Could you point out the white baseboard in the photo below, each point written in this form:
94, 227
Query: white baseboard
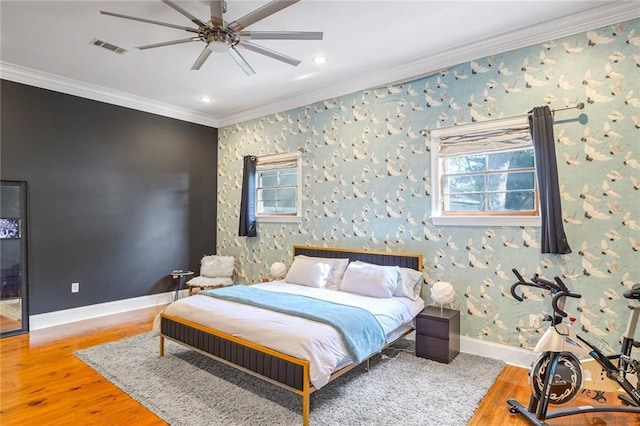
511, 355
50, 319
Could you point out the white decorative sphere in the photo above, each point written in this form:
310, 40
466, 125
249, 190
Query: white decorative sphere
442, 292
278, 270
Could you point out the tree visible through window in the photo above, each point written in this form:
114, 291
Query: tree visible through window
484, 171
489, 182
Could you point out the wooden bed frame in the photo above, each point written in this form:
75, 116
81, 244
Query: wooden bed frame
283, 370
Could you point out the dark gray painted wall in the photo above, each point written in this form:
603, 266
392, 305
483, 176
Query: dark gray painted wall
118, 198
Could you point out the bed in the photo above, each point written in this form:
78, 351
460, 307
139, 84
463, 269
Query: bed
297, 353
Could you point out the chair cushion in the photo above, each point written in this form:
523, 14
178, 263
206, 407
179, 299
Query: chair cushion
210, 281
216, 266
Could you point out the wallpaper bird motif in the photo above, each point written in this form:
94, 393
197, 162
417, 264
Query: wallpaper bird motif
366, 181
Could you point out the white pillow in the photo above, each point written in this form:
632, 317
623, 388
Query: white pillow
216, 266
338, 266
370, 280
410, 284
312, 273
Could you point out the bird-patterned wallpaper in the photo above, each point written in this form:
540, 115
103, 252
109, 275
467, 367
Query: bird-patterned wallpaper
366, 181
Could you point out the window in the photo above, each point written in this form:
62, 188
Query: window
278, 188
484, 174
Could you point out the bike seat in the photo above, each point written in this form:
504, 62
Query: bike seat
634, 293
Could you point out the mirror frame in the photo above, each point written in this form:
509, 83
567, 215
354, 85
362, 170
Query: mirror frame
23, 258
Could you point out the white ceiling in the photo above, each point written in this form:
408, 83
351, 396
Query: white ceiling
367, 43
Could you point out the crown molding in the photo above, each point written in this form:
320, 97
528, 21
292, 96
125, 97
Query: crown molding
433, 62
415, 68
31, 77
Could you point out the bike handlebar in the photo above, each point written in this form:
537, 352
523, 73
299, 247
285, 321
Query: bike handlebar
517, 274
558, 284
536, 282
556, 298
521, 281
557, 288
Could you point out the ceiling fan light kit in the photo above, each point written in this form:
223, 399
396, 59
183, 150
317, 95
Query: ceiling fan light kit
220, 36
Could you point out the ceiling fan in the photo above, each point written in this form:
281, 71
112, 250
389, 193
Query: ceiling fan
220, 36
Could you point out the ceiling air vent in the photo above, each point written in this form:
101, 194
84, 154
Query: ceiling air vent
107, 46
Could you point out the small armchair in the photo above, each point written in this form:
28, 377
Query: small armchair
215, 271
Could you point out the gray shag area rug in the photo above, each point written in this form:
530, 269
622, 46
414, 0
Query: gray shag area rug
187, 388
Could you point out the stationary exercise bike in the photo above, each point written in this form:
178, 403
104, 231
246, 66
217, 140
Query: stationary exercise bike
557, 376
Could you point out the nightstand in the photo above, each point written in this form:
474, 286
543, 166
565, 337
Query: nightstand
438, 334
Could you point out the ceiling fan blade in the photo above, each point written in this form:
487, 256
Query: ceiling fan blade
216, 12
184, 12
201, 59
259, 14
270, 53
241, 61
168, 43
150, 21
281, 35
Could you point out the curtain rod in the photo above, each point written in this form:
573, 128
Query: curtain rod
579, 105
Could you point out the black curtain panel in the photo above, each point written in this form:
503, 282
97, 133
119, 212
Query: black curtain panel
553, 238
248, 201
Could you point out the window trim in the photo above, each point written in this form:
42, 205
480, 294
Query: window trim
283, 217
461, 219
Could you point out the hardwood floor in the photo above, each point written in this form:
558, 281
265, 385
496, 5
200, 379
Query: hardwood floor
42, 382
512, 383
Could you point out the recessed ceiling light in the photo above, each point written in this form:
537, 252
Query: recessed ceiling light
205, 99
320, 59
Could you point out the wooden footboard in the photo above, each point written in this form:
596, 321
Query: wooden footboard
283, 370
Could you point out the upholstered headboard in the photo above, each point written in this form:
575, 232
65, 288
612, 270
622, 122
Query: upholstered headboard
405, 260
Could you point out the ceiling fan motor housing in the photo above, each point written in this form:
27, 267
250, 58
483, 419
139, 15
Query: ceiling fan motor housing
218, 39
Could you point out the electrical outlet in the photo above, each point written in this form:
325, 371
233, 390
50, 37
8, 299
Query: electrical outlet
75, 287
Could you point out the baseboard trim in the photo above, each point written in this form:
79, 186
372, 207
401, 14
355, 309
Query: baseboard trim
518, 357
51, 319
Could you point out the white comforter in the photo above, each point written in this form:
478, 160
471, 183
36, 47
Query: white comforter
318, 343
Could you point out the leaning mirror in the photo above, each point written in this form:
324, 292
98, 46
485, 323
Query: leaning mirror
14, 316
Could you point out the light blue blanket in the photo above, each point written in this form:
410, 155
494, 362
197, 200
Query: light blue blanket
360, 330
